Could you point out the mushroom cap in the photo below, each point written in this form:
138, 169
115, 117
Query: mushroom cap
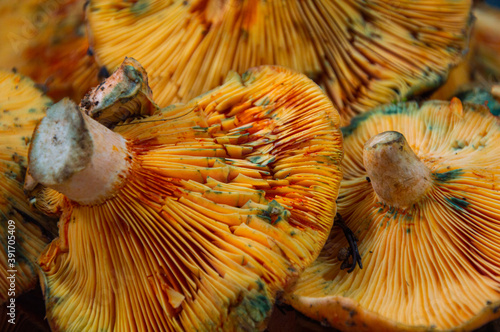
363, 54
46, 40
433, 266
22, 105
227, 199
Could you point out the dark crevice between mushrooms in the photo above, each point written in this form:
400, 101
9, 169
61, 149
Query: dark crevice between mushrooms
352, 251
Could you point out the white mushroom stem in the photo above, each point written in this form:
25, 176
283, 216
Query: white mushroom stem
77, 156
399, 178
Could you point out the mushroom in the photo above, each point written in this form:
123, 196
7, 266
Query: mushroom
195, 217
362, 53
487, 41
420, 191
46, 41
484, 95
480, 67
23, 232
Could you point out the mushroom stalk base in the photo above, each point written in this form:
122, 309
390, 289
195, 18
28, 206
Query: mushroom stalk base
398, 176
77, 156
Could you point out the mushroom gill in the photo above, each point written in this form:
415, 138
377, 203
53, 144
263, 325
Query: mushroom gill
192, 218
425, 210
362, 53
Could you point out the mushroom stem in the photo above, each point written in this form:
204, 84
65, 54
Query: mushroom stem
77, 156
398, 176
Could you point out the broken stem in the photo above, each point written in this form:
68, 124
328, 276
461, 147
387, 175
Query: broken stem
77, 156
399, 178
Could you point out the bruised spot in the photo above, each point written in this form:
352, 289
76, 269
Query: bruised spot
448, 176
457, 203
139, 7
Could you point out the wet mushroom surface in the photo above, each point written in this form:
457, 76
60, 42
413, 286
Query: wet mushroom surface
420, 191
363, 53
198, 215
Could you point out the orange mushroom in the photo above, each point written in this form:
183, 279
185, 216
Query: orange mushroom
23, 232
192, 218
420, 191
46, 41
362, 53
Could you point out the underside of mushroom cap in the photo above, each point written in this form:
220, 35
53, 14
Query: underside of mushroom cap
363, 53
227, 199
434, 265
21, 107
46, 40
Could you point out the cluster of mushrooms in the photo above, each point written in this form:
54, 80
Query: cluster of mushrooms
207, 165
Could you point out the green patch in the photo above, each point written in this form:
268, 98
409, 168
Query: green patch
448, 176
204, 129
266, 218
393, 109
32, 110
246, 75
139, 7
265, 102
457, 203
274, 212
259, 307
355, 122
482, 97
252, 309
389, 109
132, 74
262, 160
244, 34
